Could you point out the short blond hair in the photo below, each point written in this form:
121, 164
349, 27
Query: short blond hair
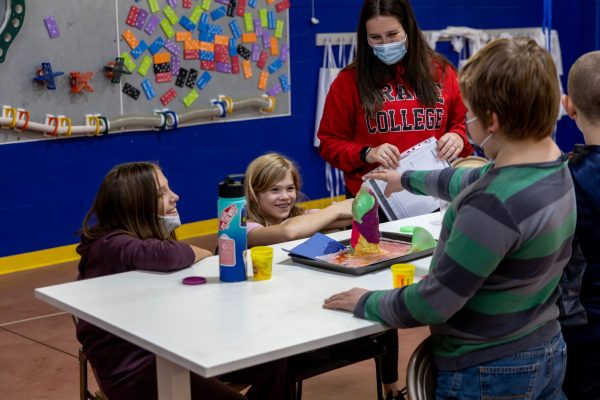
264, 172
584, 85
517, 80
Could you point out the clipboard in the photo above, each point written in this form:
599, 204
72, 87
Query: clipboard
422, 156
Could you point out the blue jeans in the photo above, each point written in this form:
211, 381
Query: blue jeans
536, 373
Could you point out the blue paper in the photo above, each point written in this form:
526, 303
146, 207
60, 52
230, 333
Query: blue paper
317, 245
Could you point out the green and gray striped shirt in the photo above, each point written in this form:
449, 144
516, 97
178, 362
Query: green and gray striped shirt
491, 288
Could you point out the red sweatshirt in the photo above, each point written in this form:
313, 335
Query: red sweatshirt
404, 121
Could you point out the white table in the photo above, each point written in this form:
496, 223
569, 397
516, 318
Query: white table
220, 327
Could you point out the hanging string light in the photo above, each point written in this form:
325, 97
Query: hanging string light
313, 19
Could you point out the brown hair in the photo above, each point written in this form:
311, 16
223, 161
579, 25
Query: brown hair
584, 85
261, 174
421, 63
517, 80
127, 201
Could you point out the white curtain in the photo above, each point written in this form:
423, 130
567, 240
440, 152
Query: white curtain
327, 73
334, 178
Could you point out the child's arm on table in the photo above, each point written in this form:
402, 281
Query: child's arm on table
334, 216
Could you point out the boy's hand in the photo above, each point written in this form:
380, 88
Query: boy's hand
345, 300
392, 178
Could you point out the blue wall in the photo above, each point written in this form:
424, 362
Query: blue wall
47, 186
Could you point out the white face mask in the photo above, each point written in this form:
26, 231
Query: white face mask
484, 141
169, 223
390, 53
479, 147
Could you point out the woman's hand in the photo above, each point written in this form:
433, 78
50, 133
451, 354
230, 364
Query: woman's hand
385, 154
345, 301
450, 145
392, 177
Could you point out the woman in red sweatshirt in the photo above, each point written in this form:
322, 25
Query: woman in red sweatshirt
398, 93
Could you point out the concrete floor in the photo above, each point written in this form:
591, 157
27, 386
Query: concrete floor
38, 348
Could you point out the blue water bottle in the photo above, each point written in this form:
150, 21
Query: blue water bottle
232, 229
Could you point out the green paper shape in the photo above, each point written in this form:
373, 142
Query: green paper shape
407, 229
422, 240
362, 204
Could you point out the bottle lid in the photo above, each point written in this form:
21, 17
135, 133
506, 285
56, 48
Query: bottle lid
232, 186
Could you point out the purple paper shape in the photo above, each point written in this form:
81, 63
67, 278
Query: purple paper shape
224, 67
257, 27
141, 18
255, 52
283, 52
152, 24
274, 90
172, 46
52, 27
175, 64
266, 36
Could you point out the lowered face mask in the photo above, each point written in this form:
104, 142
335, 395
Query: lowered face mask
390, 53
169, 223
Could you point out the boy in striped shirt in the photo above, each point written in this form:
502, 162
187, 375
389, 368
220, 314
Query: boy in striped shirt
490, 296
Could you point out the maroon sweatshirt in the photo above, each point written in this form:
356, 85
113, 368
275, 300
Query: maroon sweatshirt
124, 370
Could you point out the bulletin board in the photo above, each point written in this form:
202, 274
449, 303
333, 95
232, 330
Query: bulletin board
237, 48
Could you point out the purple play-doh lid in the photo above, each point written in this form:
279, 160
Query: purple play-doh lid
194, 280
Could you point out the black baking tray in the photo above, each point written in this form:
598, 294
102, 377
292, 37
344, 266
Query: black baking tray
370, 267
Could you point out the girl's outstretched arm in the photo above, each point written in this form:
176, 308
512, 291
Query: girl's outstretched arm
334, 216
200, 253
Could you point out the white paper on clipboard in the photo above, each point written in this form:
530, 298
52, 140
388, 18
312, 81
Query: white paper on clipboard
404, 204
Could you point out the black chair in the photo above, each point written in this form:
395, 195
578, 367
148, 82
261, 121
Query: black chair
308, 365
421, 374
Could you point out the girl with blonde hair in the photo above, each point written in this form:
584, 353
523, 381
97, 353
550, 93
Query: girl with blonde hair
273, 185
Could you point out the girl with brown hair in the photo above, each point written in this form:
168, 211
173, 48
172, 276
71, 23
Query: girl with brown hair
131, 227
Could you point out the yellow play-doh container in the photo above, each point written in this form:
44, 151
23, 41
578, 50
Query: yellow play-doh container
262, 262
402, 274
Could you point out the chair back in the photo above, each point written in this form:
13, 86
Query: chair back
84, 393
470, 162
421, 375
